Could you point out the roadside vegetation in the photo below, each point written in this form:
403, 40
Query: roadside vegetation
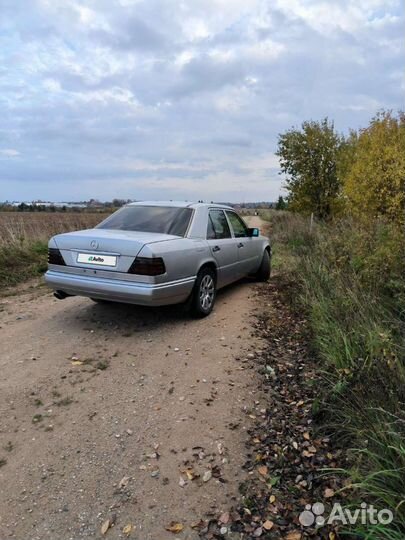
348, 265
24, 239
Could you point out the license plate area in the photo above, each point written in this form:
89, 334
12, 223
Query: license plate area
97, 259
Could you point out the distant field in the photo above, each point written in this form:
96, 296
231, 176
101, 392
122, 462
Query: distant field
18, 228
24, 237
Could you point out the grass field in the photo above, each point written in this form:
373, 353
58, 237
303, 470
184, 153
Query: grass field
24, 237
349, 280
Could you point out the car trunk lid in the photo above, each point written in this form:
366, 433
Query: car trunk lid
107, 249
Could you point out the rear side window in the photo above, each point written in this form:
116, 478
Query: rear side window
210, 229
217, 225
154, 219
238, 226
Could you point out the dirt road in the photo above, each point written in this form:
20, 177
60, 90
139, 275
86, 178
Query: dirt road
121, 413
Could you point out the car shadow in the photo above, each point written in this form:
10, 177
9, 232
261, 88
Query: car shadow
130, 318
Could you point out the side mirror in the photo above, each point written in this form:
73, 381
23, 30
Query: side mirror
254, 231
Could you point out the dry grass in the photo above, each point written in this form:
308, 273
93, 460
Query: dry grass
349, 282
24, 238
19, 228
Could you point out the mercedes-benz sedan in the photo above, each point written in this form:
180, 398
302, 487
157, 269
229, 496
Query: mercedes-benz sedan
158, 253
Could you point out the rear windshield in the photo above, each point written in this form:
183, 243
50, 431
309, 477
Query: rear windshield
154, 219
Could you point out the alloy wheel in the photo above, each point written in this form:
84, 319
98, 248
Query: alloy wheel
207, 292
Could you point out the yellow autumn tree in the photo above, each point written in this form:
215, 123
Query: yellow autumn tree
374, 181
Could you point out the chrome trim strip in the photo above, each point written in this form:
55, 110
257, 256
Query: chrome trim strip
93, 279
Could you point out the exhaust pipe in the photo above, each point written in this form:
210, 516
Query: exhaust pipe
60, 295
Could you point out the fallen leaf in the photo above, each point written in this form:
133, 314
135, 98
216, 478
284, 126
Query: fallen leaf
307, 436
328, 493
312, 449
198, 524
190, 474
268, 525
300, 403
174, 527
274, 480
295, 445
224, 518
293, 536
127, 529
262, 470
77, 363
105, 526
272, 499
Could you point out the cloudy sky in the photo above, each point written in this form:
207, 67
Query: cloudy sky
182, 99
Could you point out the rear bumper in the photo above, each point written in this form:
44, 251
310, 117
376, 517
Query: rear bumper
144, 294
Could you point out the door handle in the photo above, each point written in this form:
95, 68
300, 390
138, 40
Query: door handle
240, 245
216, 248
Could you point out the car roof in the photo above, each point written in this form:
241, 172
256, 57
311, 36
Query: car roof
180, 204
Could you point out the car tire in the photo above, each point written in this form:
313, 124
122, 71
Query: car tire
264, 271
204, 293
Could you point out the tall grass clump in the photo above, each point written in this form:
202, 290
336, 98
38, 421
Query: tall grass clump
351, 284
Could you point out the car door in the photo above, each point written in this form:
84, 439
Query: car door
223, 247
246, 245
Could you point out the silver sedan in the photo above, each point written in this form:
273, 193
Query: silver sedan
158, 253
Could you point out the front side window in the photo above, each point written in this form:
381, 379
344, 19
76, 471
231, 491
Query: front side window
153, 219
238, 226
217, 225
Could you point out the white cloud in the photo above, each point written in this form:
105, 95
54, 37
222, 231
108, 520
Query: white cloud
160, 97
9, 152
184, 57
195, 29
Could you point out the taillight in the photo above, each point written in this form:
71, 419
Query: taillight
55, 257
146, 266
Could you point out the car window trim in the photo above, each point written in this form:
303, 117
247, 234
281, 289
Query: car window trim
216, 209
213, 228
190, 222
230, 224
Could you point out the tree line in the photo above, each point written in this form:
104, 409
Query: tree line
86, 206
361, 174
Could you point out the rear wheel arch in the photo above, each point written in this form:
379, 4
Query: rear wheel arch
211, 265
